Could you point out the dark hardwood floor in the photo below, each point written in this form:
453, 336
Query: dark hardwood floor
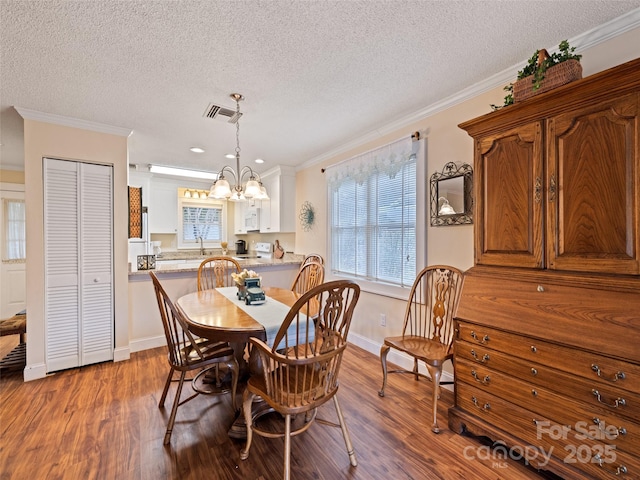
103, 422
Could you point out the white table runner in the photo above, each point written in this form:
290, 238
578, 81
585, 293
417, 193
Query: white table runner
270, 314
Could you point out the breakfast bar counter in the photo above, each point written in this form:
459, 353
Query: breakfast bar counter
179, 277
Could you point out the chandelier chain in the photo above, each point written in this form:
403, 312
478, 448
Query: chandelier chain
238, 128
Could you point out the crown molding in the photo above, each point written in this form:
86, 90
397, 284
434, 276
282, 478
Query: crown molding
29, 114
584, 41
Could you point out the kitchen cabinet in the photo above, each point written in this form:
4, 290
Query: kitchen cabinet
277, 214
546, 344
163, 207
239, 209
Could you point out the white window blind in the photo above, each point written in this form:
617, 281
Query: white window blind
201, 221
372, 204
14, 228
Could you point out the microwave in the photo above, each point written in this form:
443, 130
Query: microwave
252, 219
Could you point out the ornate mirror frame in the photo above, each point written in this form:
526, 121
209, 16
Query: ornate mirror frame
454, 185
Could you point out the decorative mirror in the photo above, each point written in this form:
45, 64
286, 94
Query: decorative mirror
452, 195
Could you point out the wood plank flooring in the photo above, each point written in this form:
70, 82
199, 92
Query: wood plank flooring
103, 422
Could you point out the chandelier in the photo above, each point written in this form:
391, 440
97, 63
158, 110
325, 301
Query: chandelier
253, 188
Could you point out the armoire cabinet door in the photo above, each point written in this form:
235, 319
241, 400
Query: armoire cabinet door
593, 188
509, 198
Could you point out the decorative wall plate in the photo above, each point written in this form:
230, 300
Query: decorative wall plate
307, 216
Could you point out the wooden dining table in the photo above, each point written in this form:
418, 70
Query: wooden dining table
211, 314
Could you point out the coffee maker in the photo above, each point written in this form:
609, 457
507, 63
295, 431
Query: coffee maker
241, 247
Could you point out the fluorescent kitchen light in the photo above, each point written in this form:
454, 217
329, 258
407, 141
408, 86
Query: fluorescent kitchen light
182, 172
197, 150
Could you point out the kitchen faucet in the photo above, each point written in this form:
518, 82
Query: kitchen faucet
201, 246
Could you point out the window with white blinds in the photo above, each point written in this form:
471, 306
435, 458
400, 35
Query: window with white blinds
14, 229
373, 216
201, 219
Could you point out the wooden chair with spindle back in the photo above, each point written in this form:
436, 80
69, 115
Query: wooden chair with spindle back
311, 274
300, 371
216, 272
428, 327
187, 353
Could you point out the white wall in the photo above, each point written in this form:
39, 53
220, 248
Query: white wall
445, 143
41, 140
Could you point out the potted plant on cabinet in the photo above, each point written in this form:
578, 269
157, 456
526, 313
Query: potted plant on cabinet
544, 72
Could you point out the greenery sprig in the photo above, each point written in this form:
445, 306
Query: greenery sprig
536, 68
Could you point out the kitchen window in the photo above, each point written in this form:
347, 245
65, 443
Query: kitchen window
201, 219
375, 200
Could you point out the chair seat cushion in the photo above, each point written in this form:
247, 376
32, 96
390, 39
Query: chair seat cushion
429, 351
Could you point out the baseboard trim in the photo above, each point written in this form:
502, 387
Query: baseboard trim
121, 354
395, 357
147, 343
35, 372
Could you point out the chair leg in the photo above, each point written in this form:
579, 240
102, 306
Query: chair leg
247, 402
384, 350
287, 446
345, 433
415, 368
166, 388
174, 409
436, 373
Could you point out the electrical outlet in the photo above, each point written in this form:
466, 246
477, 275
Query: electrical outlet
383, 320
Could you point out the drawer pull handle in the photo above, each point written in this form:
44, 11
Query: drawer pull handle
618, 402
534, 349
615, 378
484, 339
534, 371
484, 407
534, 393
484, 381
484, 359
616, 470
619, 430
540, 288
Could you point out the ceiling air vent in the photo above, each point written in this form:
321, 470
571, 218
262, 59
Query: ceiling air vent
215, 111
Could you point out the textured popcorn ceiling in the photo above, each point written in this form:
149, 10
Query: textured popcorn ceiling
316, 75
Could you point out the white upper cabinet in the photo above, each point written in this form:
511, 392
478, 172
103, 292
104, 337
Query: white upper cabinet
278, 214
163, 207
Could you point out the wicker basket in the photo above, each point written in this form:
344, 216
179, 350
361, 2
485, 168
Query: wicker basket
555, 76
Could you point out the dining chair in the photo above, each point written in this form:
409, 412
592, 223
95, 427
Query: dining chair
300, 371
311, 274
313, 257
428, 329
187, 353
216, 272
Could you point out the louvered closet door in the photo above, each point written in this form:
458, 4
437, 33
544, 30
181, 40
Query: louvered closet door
96, 252
78, 263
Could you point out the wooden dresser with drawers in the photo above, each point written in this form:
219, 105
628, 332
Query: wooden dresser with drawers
547, 347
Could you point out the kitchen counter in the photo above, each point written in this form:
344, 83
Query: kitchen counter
177, 262
178, 272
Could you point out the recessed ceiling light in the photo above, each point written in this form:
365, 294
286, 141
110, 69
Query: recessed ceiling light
259, 160
197, 150
229, 155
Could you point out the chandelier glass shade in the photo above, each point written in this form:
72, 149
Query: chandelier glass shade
253, 188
